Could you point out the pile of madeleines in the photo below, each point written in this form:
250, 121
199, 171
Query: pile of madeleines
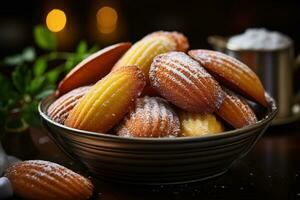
157, 88
153, 88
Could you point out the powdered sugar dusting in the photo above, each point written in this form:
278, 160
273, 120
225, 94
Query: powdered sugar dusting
220, 96
213, 59
259, 39
151, 117
49, 180
178, 73
186, 61
247, 113
185, 83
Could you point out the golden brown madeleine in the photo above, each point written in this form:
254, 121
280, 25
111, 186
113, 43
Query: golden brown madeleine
195, 124
236, 111
59, 110
185, 83
151, 117
142, 52
182, 43
232, 73
93, 68
37, 179
107, 102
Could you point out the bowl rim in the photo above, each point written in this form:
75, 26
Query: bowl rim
272, 111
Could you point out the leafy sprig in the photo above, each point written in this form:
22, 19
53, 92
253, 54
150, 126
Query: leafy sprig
32, 78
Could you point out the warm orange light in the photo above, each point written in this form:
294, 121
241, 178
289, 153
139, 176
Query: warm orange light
107, 18
56, 20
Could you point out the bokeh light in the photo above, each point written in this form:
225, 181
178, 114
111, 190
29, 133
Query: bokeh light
107, 18
56, 20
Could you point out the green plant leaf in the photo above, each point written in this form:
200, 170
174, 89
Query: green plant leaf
31, 80
93, 49
6, 89
81, 53
29, 113
21, 78
29, 54
53, 75
36, 84
44, 93
39, 67
8, 98
44, 38
13, 60
71, 62
82, 47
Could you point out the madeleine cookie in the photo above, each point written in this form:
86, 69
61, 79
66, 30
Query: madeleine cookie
185, 83
182, 43
59, 110
36, 179
142, 52
236, 111
151, 117
232, 73
107, 102
194, 124
93, 68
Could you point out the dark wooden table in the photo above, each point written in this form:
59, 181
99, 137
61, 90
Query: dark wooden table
271, 170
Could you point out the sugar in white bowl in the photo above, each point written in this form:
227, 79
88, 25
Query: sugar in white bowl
259, 39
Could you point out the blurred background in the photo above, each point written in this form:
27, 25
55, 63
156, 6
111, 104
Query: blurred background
42, 40
31, 66
104, 22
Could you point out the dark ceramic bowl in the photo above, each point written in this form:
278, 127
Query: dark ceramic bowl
156, 161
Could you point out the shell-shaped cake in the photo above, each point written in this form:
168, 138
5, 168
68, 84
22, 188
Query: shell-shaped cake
142, 52
182, 43
45, 180
59, 110
194, 124
108, 101
236, 111
232, 73
151, 117
93, 68
185, 83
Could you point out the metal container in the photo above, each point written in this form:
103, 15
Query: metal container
156, 160
275, 69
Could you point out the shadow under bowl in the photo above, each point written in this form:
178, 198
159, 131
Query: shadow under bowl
152, 161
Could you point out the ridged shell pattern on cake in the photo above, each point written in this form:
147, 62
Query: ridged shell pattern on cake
45, 180
236, 111
151, 117
232, 73
59, 110
108, 101
185, 83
